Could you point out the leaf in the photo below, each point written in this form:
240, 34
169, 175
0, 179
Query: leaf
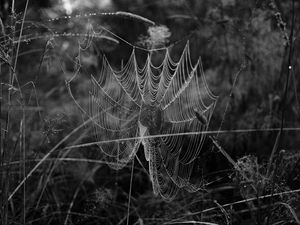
134, 16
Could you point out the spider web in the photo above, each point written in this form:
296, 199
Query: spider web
154, 106
151, 105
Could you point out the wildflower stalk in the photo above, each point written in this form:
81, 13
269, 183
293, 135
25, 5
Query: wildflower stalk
283, 108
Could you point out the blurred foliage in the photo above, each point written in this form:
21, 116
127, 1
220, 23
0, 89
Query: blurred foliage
232, 37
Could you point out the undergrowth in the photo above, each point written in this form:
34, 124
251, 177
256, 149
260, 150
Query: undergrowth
49, 175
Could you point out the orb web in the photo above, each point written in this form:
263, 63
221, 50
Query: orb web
156, 106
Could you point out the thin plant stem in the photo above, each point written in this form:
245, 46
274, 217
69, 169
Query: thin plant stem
20, 35
283, 108
241, 202
47, 155
184, 134
129, 196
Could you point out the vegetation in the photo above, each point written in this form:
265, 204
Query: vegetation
248, 168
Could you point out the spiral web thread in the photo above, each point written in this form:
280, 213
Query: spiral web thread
135, 101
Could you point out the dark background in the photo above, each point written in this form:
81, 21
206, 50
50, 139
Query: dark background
246, 49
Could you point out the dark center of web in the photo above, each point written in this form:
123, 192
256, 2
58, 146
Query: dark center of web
152, 118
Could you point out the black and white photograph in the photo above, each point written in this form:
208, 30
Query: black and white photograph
149, 112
